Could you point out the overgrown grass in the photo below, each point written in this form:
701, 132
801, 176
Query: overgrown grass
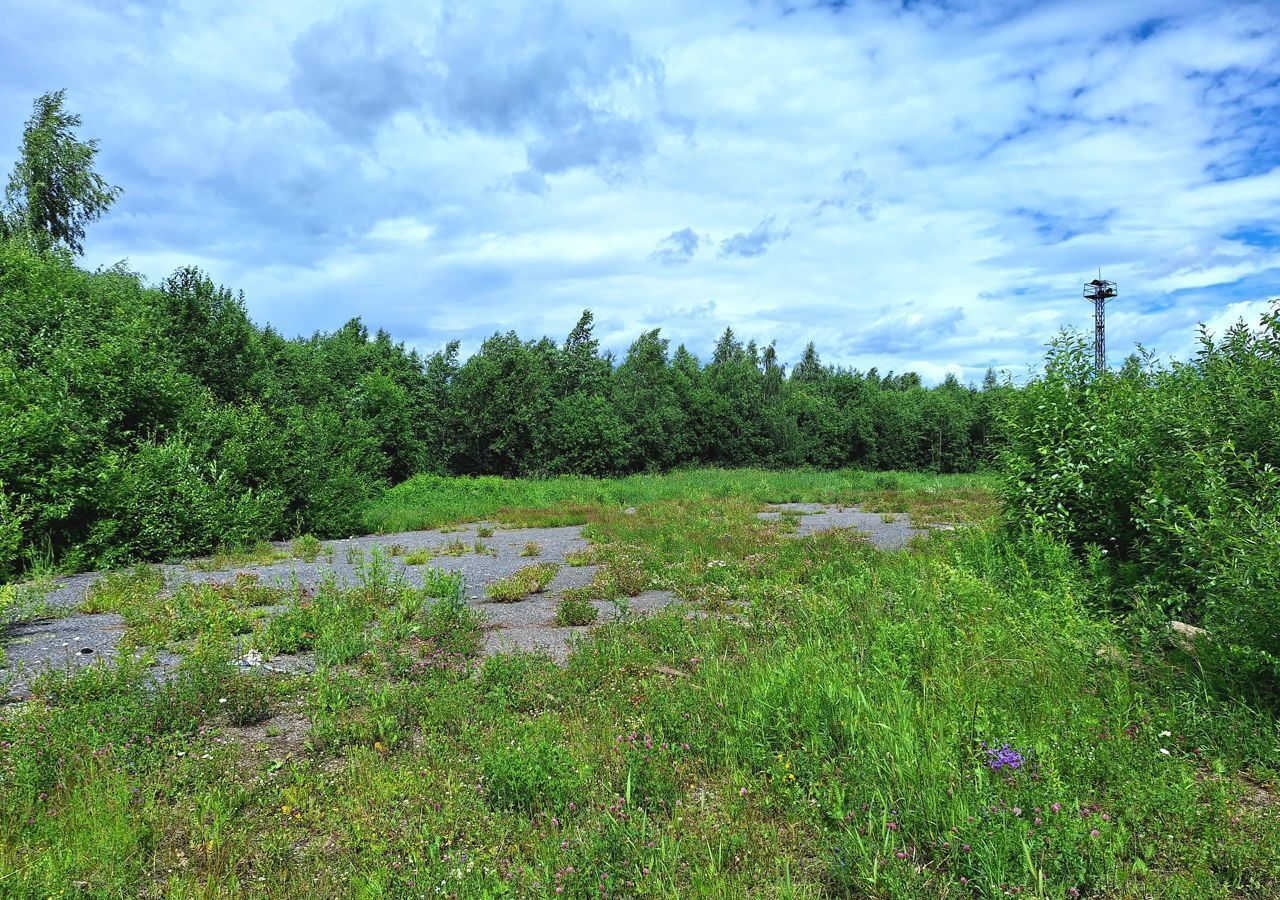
523, 582
429, 501
842, 733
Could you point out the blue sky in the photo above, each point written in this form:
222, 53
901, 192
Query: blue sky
921, 185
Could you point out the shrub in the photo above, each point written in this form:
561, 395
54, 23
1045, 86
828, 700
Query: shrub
1170, 476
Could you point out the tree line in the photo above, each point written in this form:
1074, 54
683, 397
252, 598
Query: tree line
142, 421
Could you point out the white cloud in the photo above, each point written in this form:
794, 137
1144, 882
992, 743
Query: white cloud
507, 165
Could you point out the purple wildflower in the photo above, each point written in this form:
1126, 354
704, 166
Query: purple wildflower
1004, 757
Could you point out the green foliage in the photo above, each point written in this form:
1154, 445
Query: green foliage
1170, 475
306, 547
158, 422
532, 772
824, 739
575, 610
54, 191
523, 582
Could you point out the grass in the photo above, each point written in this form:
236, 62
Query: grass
523, 582
430, 501
259, 554
418, 557
574, 610
832, 737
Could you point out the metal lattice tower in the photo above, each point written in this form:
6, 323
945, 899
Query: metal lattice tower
1098, 292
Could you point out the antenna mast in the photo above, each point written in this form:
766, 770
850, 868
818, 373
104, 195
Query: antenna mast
1098, 292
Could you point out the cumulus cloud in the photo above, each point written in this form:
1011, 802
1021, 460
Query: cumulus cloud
356, 71
577, 93
944, 175
678, 247
755, 242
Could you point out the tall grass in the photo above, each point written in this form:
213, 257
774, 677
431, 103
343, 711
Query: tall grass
816, 719
429, 501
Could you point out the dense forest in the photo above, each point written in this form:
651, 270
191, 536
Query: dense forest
147, 421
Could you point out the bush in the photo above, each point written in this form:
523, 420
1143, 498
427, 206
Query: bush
1171, 476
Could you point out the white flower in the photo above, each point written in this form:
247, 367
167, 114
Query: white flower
1166, 734
1164, 752
222, 699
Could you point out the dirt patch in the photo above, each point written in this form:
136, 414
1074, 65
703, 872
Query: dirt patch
282, 736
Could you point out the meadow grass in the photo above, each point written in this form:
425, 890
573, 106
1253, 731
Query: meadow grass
431, 501
950, 722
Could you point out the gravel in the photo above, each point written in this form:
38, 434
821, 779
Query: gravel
77, 639
885, 531
69, 639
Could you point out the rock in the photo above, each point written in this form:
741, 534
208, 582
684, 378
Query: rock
629, 511
251, 660
1185, 636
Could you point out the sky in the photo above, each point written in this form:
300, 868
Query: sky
912, 186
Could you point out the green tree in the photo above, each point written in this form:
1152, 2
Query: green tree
54, 191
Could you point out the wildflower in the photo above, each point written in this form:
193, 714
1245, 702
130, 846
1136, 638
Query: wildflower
1093, 832
1057, 807
1017, 810
1004, 757
742, 792
1164, 752
1166, 734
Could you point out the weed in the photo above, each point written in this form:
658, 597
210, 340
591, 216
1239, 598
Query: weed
307, 548
419, 557
260, 554
577, 558
532, 548
396, 550
523, 582
619, 578
484, 531
533, 772
118, 591
453, 547
574, 610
